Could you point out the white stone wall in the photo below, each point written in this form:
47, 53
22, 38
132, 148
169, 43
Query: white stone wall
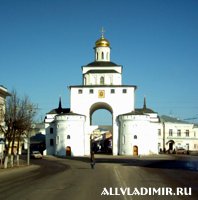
117, 103
70, 132
137, 130
50, 148
82, 99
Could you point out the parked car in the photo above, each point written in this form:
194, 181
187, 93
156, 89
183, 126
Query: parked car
36, 154
181, 151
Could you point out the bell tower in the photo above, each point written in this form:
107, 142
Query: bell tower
102, 71
102, 49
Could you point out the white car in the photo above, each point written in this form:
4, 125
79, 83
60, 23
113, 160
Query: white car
36, 154
181, 151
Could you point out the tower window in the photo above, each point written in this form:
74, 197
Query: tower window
51, 142
124, 91
135, 136
102, 56
51, 130
80, 91
68, 137
102, 80
112, 91
91, 91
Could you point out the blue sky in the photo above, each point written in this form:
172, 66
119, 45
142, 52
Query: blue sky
44, 43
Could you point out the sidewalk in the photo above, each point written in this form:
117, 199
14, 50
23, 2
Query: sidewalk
22, 163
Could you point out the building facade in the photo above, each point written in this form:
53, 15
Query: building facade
3, 94
69, 131
174, 134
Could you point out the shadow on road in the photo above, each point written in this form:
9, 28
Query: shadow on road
183, 163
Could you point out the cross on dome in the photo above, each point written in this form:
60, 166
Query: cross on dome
102, 32
102, 42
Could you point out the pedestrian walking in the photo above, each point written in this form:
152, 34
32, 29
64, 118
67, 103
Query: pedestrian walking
92, 159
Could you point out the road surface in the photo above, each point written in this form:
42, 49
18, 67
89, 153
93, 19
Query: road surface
123, 178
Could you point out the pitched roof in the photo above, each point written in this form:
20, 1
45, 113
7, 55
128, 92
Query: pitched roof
165, 118
70, 113
59, 111
145, 110
140, 111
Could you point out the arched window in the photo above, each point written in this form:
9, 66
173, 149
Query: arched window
68, 137
97, 56
102, 80
102, 56
135, 136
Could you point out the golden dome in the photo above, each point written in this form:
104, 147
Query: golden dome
102, 42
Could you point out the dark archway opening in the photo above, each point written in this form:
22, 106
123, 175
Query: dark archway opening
102, 134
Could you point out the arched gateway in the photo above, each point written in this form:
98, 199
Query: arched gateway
101, 88
108, 93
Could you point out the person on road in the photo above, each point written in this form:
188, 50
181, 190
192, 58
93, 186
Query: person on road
92, 159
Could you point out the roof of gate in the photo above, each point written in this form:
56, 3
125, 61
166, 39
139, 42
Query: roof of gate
59, 111
140, 111
102, 64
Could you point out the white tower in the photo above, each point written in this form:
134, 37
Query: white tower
102, 49
102, 71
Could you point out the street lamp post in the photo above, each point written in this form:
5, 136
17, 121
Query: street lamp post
28, 139
28, 148
164, 133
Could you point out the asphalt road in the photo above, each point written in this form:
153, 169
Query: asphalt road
116, 178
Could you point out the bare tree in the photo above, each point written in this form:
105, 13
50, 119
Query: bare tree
19, 116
